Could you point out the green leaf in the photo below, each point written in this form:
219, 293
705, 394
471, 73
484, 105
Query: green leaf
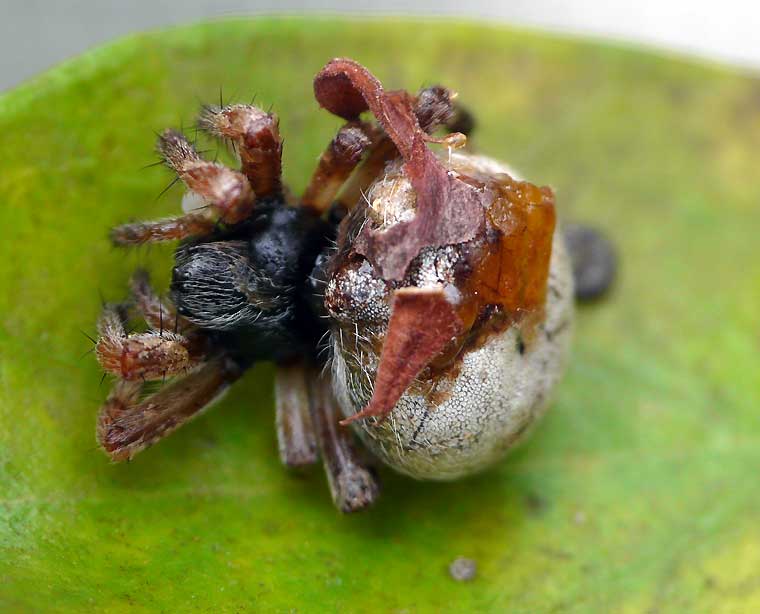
638, 491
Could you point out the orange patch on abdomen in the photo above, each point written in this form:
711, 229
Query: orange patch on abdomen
510, 269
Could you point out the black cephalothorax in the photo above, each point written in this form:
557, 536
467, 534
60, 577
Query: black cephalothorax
248, 287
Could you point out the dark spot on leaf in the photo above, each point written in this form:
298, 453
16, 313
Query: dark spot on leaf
536, 504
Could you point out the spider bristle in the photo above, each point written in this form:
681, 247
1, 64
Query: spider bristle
167, 188
211, 109
88, 336
209, 120
87, 353
152, 164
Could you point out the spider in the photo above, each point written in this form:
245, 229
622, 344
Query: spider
439, 279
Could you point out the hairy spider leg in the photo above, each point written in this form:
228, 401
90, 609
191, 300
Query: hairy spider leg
158, 314
434, 108
255, 137
337, 163
352, 483
228, 196
296, 437
379, 153
151, 355
127, 425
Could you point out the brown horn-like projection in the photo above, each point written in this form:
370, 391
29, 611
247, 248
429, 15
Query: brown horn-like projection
448, 211
422, 324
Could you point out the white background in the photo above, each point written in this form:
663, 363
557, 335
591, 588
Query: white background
35, 34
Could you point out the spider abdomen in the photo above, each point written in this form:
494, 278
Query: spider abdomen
473, 402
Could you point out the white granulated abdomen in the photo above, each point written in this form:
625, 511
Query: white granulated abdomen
463, 424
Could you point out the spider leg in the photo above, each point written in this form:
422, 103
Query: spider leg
296, 438
336, 164
255, 136
353, 485
434, 108
126, 425
158, 314
123, 395
151, 355
463, 121
169, 229
227, 195
380, 152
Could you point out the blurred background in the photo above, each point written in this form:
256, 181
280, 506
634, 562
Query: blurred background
35, 34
